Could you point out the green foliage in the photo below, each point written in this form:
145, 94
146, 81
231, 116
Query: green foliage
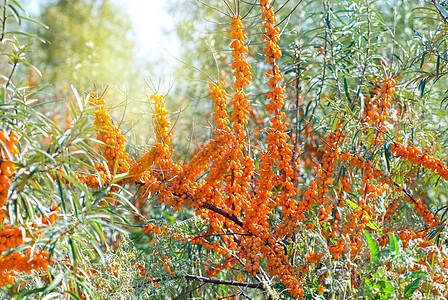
332, 50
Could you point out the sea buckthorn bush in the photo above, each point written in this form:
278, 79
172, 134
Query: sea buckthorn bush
323, 177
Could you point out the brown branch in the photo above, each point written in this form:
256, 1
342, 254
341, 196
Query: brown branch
210, 280
440, 13
3, 21
223, 213
10, 75
189, 291
289, 14
224, 282
221, 234
219, 211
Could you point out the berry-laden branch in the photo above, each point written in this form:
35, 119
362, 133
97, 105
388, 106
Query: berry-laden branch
258, 211
223, 213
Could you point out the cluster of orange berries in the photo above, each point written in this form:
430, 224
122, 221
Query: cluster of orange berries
161, 123
158, 172
240, 66
426, 262
422, 210
276, 96
116, 156
227, 186
10, 142
241, 74
10, 237
391, 209
58, 174
346, 181
414, 156
223, 157
145, 276
8, 147
18, 262
371, 189
319, 187
313, 257
376, 173
349, 235
225, 265
279, 152
273, 52
50, 218
92, 180
151, 228
109, 134
279, 156
139, 168
24, 263
230, 158
377, 105
8, 277
337, 249
166, 263
271, 49
219, 97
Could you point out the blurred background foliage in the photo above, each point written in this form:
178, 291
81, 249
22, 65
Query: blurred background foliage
87, 43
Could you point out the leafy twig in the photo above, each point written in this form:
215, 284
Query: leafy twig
3, 21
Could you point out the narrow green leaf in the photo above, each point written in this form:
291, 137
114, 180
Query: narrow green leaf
31, 292
36, 22
73, 295
28, 35
54, 283
422, 87
412, 287
19, 6
73, 250
372, 224
422, 59
61, 193
352, 204
373, 246
78, 98
414, 274
15, 13
327, 20
387, 156
346, 89
395, 245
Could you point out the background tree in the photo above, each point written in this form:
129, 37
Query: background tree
87, 44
